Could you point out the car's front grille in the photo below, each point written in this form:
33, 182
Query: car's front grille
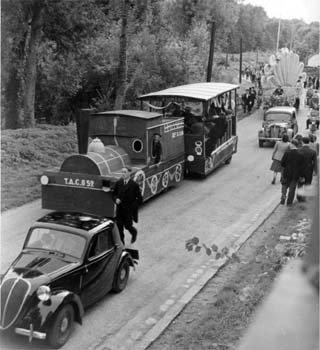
14, 292
276, 131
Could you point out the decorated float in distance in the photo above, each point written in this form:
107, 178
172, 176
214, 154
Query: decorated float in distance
283, 71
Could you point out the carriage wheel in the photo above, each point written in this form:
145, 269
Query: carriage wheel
165, 179
154, 184
140, 178
178, 173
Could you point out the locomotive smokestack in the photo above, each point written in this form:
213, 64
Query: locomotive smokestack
83, 123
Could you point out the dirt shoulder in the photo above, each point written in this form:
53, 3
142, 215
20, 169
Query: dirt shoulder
219, 315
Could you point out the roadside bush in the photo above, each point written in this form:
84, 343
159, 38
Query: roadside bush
25, 154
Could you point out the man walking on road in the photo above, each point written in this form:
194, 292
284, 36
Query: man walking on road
127, 196
310, 165
292, 163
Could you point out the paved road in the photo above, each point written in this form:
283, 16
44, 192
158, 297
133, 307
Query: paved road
225, 208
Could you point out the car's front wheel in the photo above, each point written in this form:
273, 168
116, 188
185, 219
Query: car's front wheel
260, 143
121, 277
61, 327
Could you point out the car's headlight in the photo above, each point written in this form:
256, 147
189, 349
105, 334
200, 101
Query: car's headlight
44, 293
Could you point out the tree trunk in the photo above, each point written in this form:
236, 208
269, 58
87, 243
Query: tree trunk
28, 77
122, 70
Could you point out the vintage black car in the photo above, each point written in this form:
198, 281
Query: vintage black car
68, 262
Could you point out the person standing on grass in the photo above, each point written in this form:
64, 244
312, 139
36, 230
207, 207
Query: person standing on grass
279, 150
292, 163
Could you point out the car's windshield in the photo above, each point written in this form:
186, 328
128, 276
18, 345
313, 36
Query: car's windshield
278, 117
54, 240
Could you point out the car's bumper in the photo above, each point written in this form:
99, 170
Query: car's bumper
30, 333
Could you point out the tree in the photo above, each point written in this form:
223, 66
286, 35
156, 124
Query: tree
29, 27
21, 96
122, 71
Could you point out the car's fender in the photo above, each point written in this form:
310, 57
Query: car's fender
44, 312
126, 254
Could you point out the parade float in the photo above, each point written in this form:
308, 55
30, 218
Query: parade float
283, 70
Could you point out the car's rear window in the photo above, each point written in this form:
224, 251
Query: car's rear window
60, 241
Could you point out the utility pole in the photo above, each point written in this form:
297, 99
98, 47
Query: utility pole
211, 51
292, 32
240, 68
278, 37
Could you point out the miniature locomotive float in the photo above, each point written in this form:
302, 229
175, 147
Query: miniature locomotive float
109, 141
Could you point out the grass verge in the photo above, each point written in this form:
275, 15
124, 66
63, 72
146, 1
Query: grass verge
25, 154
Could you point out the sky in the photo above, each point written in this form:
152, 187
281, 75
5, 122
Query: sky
307, 10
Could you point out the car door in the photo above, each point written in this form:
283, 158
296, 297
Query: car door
100, 264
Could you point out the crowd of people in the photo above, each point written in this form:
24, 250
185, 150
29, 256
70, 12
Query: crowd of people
312, 82
296, 162
252, 95
215, 123
254, 75
249, 97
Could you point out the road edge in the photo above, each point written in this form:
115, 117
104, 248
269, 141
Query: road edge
178, 307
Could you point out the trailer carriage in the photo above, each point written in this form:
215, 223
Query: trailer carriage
210, 117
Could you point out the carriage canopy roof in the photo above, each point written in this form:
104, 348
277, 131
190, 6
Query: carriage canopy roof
198, 91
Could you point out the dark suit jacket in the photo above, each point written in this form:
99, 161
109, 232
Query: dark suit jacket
292, 163
310, 162
245, 98
130, 196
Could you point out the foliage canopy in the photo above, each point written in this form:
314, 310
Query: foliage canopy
59, 55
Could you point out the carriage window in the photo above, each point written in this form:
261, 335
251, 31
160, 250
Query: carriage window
137, 145
101, 243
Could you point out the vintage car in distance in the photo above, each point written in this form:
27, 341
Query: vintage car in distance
276, 122
68, 262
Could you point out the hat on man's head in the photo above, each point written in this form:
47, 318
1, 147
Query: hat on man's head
305, 140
